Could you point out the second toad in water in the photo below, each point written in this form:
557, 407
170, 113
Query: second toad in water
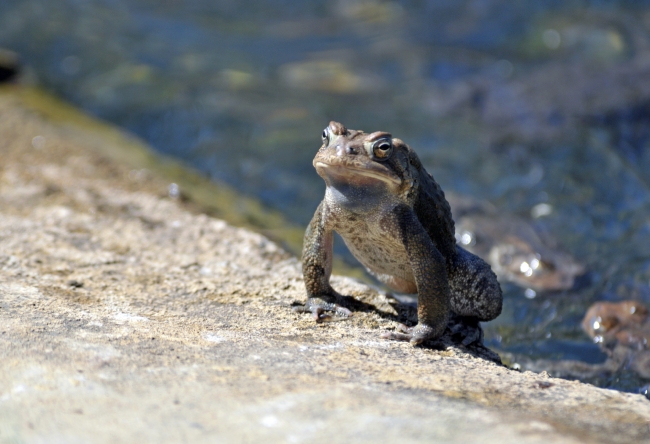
395, 220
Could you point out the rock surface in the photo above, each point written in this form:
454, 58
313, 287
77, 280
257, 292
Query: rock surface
126, 317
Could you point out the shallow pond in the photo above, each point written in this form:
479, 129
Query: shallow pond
517, 103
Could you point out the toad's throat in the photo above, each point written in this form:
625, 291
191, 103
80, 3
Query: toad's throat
359, 190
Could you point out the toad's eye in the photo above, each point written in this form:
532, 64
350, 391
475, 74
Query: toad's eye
326, 134
382, 149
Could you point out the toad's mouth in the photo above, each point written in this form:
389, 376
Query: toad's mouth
353, 174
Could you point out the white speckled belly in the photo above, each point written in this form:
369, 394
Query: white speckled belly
379, 251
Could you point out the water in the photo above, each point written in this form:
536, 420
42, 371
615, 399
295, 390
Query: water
520, 103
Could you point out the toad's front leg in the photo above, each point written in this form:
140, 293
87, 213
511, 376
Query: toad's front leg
317, 267
430, 272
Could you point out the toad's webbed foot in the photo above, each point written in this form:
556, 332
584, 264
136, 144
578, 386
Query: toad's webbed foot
469, 328
415, 335
318, 308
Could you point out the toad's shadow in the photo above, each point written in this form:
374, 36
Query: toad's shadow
458, 328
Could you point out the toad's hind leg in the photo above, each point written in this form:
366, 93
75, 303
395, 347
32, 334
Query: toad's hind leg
475, 291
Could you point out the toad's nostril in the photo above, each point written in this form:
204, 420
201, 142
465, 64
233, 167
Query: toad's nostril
351, 150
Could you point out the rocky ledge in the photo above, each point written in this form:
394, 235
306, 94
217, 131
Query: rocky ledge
125, 315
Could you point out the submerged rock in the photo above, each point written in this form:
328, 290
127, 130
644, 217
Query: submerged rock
9, 66
622, 329
515, 248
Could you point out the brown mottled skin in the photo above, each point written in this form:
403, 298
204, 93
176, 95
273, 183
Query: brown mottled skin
395, 220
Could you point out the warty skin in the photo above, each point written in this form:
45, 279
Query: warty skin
394, 218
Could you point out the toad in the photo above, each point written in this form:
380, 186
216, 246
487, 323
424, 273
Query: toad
394, 218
